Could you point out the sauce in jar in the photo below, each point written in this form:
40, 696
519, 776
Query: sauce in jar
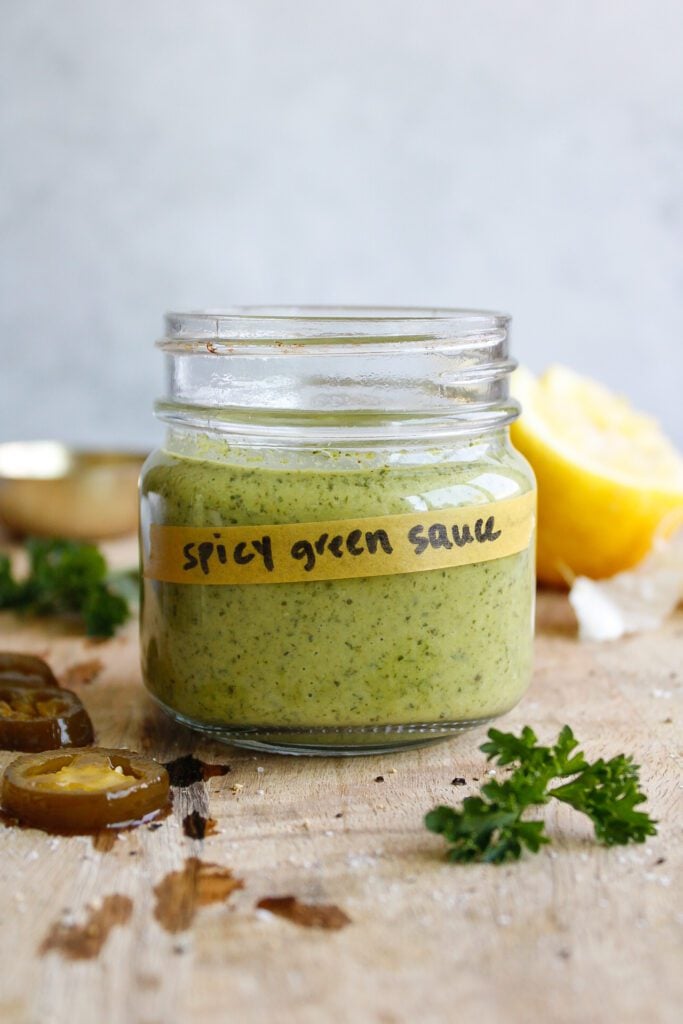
338, 581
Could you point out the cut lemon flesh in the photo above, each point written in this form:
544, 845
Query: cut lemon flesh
608, 478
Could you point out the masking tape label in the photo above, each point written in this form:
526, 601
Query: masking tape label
343, 548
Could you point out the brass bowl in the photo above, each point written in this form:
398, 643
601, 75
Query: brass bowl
49, 489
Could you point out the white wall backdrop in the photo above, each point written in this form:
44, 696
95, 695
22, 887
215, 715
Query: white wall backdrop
525, 155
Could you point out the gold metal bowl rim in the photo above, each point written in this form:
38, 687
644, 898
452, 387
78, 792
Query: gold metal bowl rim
49, 461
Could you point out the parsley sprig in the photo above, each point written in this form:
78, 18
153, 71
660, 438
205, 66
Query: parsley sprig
66, 578
490, 828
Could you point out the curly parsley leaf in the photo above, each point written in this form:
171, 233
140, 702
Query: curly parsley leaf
485, 831
558, 760
10, 590
609, 792
65, 578
491, 828
103, 611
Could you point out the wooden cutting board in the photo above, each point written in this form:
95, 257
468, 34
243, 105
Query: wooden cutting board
156, 927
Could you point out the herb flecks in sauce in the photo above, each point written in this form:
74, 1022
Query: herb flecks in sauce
449, 645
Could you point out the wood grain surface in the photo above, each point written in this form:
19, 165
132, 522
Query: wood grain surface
156, 927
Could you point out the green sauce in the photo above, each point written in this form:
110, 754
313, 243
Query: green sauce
442, 647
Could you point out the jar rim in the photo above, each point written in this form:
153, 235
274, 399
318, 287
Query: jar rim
332, 372
302, 324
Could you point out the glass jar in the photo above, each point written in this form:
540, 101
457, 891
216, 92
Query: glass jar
337, 538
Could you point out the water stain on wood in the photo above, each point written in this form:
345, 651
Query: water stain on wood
185, 771
309, 915
84, 941
82, 672
180, 893
196, 826
148, 982
104, 840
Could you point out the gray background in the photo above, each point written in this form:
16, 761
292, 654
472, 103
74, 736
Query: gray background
525, 156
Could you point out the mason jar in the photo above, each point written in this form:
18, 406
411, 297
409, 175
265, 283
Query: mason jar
337, 537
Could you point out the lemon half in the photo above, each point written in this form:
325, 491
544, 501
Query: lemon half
608, 478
